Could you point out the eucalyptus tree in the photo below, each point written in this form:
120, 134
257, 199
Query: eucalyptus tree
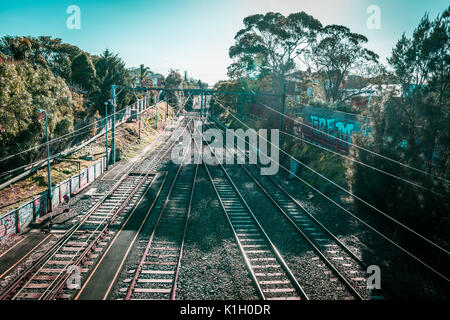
338, 53
16, 48
272, 44
412, 129
26, 88
83, 72
173, 81
424, 59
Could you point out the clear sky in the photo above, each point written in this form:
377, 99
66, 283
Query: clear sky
195, 35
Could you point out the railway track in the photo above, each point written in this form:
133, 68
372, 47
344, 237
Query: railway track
80, 245
338, 258
156, 274
272, 276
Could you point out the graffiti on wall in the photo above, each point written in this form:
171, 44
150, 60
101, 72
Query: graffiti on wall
64, 188
55, 195
343, 126
83, 178
91, 174
75, 184
38, 207
7, 226
26, 214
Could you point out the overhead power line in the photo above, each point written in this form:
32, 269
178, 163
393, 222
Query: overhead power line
365, 164
355, 145
346, 191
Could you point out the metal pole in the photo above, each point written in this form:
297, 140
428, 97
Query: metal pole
50, 195
106, 135
283, 107
140, 108
113, 133
156, 115
167, 109
201, 104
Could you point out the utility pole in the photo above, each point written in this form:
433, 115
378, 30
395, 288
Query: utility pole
113, 135
283, 107
106, 134
140, 102
201, 104
50, 195
167, 109
156, 115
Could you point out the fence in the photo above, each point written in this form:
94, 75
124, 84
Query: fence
15, 221
120, 117
123, 115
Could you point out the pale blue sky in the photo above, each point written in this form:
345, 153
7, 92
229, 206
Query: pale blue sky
195, 35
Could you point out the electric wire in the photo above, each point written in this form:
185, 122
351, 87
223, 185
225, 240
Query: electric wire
348, 192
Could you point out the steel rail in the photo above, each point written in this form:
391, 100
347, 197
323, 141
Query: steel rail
146, 173
274, 250
158, 222
310, 242
299, 230
174, 288
341, 244
70, 232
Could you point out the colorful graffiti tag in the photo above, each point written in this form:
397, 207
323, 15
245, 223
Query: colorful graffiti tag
343, 126
26, 215
7, 226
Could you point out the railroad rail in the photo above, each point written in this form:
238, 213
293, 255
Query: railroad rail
339, 259
85, 240
157, 272
272, 276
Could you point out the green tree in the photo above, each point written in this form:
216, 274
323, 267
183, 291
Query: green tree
26, 88
339, 53
425, 58
272, 44
111, 70
83, 72
42, 51
412, 129
173, 81
15, 47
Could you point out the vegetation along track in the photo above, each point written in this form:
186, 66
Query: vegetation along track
82, 243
